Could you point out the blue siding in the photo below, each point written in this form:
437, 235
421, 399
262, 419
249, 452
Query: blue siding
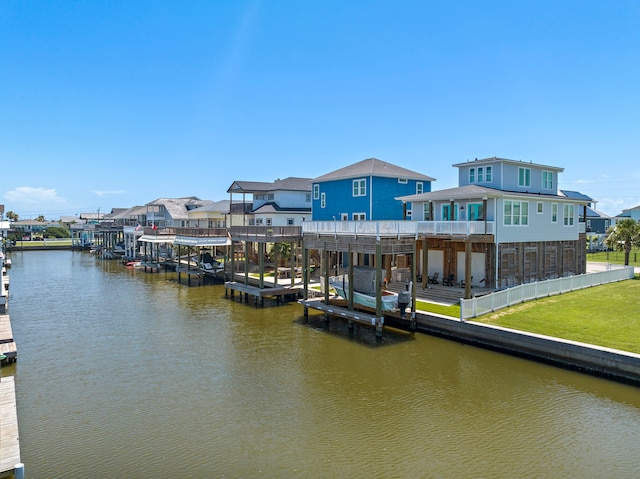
340, 199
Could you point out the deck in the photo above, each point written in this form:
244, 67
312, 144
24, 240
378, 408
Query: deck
9, 438
7, 344
261, 293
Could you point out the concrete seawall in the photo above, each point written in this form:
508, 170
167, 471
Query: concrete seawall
600, 361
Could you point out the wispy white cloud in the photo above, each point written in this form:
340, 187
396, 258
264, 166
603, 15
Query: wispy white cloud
29, 196
109, 192
584, 182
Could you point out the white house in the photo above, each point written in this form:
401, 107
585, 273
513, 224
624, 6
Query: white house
506, 220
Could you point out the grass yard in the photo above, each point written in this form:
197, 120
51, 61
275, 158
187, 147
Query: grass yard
40, 243
453, 310
607, 315
615, 257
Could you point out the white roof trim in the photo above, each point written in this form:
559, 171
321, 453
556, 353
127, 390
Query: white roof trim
157, 239
202, 241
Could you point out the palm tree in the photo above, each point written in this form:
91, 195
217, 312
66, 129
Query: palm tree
624, 236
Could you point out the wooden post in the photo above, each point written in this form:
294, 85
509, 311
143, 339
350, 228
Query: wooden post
232, 258
261, 248
467, 269
379, 317
425, 263
246, 262
305, 274
325, 271
350, 278
414, 262
292, 262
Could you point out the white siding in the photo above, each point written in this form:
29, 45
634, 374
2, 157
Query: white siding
540, 227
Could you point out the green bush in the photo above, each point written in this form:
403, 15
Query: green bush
56, 232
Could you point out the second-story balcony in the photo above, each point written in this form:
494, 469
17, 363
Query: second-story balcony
388, 229
266, 234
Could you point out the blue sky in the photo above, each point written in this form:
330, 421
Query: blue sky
114, 104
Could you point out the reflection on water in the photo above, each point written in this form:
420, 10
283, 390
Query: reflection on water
122, 373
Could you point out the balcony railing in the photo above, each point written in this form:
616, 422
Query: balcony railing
397, 228
258, 233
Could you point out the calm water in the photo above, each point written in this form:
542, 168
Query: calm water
128, 374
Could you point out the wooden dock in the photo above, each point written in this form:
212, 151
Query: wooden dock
7, 343
338, 309
260, 293
9, 438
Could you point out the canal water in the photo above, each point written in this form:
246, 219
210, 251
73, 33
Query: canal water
128, 374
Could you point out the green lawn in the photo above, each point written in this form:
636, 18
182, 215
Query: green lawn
453, 310
616, 257
49, 242
607, 315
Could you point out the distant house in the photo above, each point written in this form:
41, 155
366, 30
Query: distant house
366, 190
507, 221
172, 212
596, 222
32, 228
633, 213
284, 202
211, 215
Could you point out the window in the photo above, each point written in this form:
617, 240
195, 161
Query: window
480, 175
524, 177
554, 212
404, 181
259, 222
323, 200
359, 216
316, 192
344, 216
547, 180
359, 187
419, 188
259, 197
516, 213
269, 222
540, 207
487, 176
472, 175
567, 216
290, 221
425, 211
474, 211
308, 198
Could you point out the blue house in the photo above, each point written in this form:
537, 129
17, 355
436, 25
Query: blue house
366, 191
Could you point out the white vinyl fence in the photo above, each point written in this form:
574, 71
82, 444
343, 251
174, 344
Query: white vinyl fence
470, 308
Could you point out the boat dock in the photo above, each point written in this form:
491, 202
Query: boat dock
9, 438
7, 343
260, 293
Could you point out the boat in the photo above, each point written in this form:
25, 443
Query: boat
208, 264
212, 267
364, 294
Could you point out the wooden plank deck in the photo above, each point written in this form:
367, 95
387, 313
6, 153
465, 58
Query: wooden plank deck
6, 334
9, 437
262, 292
338, 308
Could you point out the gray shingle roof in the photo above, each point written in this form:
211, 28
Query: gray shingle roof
287, 184
474, 191
373, 167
